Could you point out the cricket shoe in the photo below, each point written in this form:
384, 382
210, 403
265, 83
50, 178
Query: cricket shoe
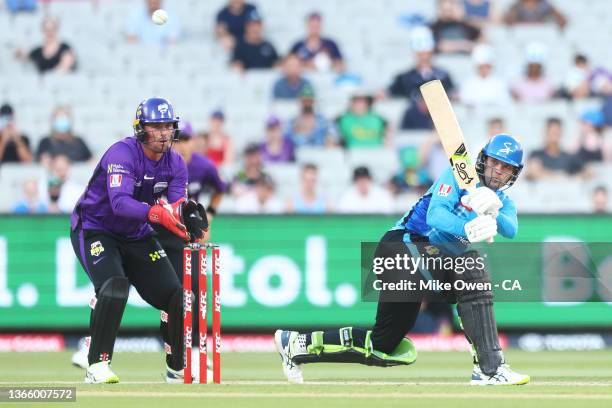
100, 373
176, 377
287, 345
503, 376
79, 359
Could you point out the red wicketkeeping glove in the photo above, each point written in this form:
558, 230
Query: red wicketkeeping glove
169, 216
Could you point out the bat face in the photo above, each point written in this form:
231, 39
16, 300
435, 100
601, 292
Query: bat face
450, 133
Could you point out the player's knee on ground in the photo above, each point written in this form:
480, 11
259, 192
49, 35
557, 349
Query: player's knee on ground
106, 317
354, 346
386, 344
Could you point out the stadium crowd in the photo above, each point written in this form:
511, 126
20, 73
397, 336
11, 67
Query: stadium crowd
301, 143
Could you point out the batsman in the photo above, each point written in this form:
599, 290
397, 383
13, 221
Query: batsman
446, 214
112, 237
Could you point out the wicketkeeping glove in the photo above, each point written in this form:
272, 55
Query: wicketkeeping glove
481, 228
195, 219
169, 216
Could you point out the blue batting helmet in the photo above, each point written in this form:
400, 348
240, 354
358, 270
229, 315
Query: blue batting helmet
504, 148
154, 110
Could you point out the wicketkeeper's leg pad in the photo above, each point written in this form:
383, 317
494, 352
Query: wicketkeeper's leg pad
107, 311
174, 327
351, 351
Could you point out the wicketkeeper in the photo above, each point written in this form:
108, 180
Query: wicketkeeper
446, 216
113, 239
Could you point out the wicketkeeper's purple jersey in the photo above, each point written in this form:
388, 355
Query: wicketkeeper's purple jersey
203, 175
123, 187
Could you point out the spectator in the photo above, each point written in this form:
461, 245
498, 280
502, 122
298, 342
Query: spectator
31, 202
53, 55
364, 196
600, 200
576, 81
308, 200
14, 146
534, 12
62, 141
407, 84
591, 146
452, 33
484, 88
16, 6
292, 82
417, 116
276, 148
231, 21
534, 87
360, 126
254, 51
551, 160
261, 200
600, 82
495, 126
140, 28
481, 12
252, 171
219, 145
310, 128
410, 178
583, 81
318, 53
607, 110
62, 193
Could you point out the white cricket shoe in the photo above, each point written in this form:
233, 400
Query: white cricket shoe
176, 377
503, 376
284, 341
79, 358
100, 373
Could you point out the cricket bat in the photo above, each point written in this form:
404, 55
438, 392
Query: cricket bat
450, 134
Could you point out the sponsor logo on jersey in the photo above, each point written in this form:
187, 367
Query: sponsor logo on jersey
96, 248
116, 168
156, 255
115, 180
159, 187
444, 190
432, 250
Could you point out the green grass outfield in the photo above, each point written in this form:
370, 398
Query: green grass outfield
559, 379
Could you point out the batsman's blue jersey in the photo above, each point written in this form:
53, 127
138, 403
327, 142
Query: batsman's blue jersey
440, 216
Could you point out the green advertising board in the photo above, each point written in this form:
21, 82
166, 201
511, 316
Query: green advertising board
298, 271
